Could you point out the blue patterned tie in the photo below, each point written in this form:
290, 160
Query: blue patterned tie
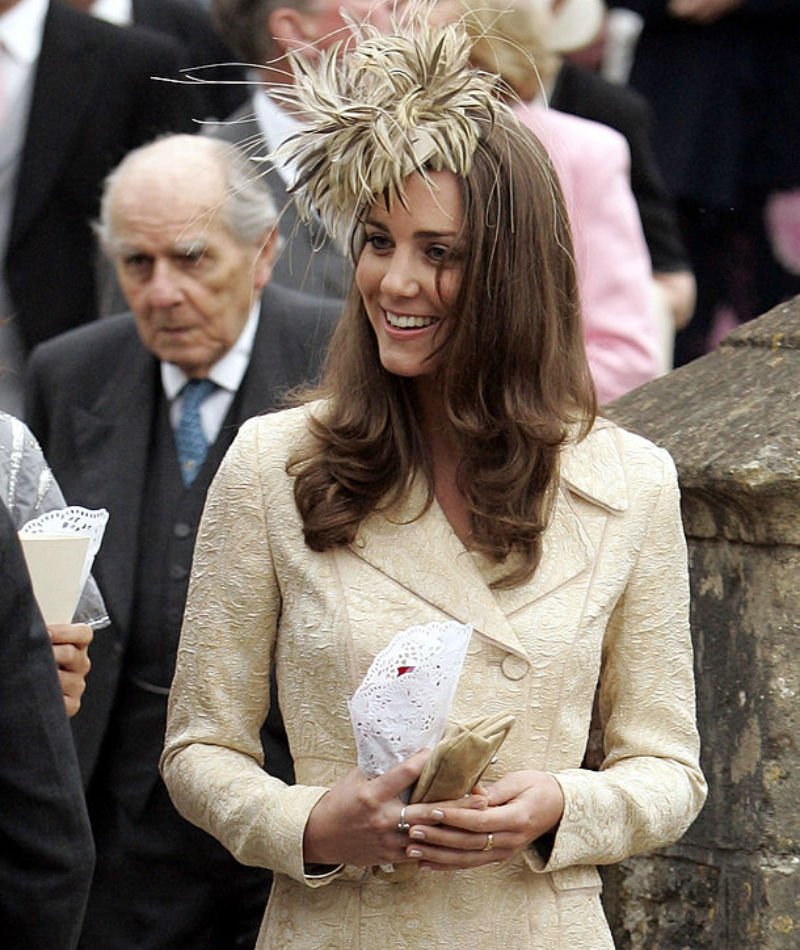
189, 437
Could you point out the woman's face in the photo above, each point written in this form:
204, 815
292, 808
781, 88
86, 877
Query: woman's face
398, 269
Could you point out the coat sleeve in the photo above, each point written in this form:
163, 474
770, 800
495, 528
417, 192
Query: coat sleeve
47, 855
212, 761
650, 787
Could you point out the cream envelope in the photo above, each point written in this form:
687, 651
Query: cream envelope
55, 563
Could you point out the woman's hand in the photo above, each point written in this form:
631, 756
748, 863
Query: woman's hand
522, 806
71, 650
357, 821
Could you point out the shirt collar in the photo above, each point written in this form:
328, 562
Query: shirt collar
119, 12
276, 126
228, 371
21, 30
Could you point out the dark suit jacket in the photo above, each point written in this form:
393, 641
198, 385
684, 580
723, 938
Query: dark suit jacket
93, 100
190, 24
586, 94
47, 855
90, 399
308, 260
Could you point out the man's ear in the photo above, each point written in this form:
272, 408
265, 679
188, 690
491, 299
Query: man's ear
288, 29
265, 261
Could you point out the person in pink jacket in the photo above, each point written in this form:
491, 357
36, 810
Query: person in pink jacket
624, 342
614, 274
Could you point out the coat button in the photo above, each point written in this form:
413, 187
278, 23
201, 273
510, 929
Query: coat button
514, 667
182, 530
178, 572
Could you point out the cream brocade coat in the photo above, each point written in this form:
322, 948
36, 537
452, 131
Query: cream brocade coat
610, 597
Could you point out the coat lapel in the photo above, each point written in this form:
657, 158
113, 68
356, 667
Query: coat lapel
424, 555
261, 387
112, 438
435, 566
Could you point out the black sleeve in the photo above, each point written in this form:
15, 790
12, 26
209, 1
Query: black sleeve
656, 207
47, 857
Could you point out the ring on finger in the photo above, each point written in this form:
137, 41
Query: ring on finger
403, 825
489, 842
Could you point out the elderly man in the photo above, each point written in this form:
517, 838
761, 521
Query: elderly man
135, 413
75, 96
263, 31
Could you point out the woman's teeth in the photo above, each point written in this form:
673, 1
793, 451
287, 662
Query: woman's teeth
408, 323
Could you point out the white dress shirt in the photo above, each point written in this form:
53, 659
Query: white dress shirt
227, 373
276, 126
21, 30
119, 12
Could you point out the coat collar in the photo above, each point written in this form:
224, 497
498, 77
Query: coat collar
593, 468
435, 566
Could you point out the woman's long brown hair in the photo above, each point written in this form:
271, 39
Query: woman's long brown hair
514, 378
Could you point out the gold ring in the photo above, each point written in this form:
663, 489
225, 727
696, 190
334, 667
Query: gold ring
489, 842
403, 825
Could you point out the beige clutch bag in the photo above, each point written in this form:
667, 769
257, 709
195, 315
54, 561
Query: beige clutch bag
460, 758
455, 767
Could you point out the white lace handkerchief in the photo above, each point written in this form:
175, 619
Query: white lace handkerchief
404, 701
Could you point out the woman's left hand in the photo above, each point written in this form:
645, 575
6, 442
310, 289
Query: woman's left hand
522, 807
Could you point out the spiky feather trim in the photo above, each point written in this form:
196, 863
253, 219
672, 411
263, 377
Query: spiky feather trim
377, 112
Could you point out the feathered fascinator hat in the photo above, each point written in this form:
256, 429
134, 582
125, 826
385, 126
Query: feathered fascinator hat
390, 105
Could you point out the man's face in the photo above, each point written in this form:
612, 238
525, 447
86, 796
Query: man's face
323, 22
188, 281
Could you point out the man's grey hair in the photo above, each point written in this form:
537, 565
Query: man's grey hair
248, 210
244, 26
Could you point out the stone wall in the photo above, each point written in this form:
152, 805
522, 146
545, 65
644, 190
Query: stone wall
732, 423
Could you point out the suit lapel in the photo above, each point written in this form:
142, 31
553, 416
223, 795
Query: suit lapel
113, 436
258, 390
65, 76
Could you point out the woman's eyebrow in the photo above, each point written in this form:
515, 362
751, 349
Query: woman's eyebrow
434, 234
371, 222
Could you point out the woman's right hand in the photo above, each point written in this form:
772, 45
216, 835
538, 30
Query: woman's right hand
357, 821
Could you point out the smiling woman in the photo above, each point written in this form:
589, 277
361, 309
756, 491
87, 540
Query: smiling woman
449, 466
406, 273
